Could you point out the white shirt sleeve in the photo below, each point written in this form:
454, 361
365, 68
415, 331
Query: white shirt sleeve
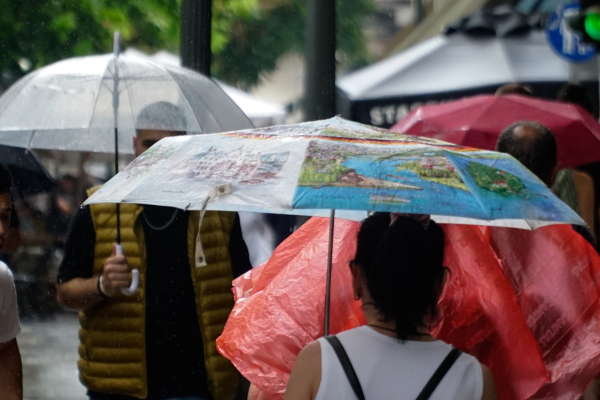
9, 313
259, 237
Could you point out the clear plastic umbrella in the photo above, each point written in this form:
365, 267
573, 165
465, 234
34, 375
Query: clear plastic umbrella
70, 105
96, 103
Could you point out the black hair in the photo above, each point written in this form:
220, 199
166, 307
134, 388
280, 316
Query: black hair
162, 115
576, 94
403, 268
5, 180
538, 153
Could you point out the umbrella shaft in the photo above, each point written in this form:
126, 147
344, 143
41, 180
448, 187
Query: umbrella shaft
115, 95
116, 172
329, 265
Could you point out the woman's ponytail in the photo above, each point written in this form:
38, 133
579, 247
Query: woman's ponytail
402, 264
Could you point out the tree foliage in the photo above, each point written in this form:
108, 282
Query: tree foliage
35, 33
246, 39
257, 42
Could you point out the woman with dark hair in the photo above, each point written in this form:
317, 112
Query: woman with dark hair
398, 274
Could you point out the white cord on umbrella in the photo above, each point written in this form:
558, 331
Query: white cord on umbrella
213, 194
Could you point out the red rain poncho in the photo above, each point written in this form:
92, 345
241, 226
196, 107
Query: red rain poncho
532, 319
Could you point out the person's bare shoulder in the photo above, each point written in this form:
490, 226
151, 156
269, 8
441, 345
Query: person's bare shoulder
6, 277
489, 384
7, 282
306, 374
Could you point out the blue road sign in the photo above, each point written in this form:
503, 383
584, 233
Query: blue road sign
562, 39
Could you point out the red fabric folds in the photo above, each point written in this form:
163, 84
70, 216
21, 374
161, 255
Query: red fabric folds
280, 305
532, 318
555, 273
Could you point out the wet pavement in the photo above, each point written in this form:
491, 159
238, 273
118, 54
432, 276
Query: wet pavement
49, 354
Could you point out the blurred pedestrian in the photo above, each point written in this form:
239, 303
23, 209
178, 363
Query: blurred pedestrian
576, 94
398, 275
534, 146
61, 209
514, 88
160, 342
11, 371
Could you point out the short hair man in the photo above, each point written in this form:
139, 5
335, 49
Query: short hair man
11, 371
160, 342
534, 146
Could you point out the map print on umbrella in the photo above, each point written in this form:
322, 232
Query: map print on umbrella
384, 177
310, 168
150, 158
500, 186
143, 166
343, 130
239, 166
496, 180
432, 166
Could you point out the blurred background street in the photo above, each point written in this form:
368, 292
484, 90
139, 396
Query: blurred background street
49, 353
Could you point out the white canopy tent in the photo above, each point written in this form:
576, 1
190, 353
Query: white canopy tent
451, 67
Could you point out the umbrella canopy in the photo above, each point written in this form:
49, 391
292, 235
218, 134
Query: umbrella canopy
27, 172
312, 167
260, 111
451, 67
69, 105
477, 122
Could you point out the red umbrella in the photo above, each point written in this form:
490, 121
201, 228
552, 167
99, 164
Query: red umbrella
477, 121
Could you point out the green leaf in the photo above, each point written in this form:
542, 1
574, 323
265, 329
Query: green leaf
246, 40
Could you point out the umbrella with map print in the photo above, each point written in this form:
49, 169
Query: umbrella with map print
314, 167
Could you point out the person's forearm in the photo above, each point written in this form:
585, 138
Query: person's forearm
11, 371
78, 294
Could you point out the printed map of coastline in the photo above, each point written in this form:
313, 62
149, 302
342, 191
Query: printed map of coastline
335, 175
437, 170
496, 180
325, 166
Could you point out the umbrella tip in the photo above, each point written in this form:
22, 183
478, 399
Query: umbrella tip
117, 44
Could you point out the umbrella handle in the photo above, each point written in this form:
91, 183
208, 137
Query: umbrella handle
135, 275
135, 281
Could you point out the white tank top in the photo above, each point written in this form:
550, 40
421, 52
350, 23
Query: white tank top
389, 369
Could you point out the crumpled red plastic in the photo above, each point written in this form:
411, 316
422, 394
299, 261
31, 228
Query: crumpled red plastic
533, 318
555, 273
280, 305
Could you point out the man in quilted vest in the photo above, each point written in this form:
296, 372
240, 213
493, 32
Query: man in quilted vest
158, 343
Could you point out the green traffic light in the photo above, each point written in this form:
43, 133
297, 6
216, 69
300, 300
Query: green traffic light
592, 25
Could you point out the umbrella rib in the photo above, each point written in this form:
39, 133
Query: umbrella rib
199, 98
466, 182
30, 139
96, 98
127, 89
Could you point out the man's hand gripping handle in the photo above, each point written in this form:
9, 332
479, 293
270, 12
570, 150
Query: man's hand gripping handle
135, 274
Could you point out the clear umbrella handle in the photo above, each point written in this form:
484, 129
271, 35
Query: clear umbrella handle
135, 275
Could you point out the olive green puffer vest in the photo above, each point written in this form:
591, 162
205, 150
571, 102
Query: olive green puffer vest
112, 333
